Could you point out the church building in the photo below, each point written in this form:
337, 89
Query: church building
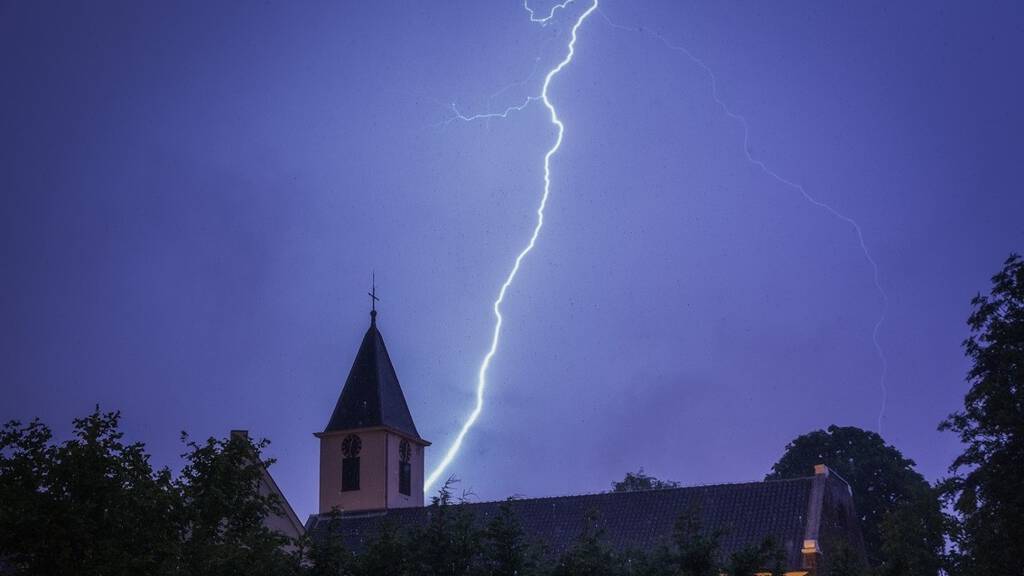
372, 464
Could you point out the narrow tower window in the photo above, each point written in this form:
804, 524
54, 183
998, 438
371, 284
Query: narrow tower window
404, 468
350, 448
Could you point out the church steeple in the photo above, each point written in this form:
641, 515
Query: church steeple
371, 455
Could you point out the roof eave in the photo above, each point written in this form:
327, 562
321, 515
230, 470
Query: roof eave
391, 429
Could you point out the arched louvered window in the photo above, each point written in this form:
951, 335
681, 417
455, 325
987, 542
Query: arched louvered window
405, 468
350, 448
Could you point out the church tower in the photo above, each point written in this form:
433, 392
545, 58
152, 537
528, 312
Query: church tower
371, 456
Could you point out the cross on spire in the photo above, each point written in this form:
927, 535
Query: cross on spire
373, 296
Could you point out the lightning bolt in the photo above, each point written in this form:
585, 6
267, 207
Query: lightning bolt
551, 14
481, 384
760, 164
488, 115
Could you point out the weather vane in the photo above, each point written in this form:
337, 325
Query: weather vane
373, 294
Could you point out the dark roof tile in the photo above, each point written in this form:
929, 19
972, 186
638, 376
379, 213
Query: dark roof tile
745, 513
372, 395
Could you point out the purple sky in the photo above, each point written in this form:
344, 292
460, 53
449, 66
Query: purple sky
194, 195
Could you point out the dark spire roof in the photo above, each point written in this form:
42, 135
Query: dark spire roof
372, 395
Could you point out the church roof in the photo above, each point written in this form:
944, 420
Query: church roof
372, 395
791, 512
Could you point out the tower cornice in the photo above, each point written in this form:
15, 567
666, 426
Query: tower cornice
395, 431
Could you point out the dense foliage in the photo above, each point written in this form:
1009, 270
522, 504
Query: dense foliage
986, 489
636, 481
94, 505
900, 513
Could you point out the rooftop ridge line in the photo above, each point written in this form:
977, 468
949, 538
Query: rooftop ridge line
589, 494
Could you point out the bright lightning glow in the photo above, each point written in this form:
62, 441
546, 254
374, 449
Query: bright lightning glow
453, 450
503, 114
544, 21
803, 192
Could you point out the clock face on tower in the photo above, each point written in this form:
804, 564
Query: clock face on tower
351, 446
404, 451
